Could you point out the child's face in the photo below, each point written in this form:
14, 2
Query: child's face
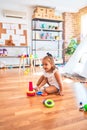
47, 66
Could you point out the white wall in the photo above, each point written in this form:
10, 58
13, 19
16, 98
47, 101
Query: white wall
27, 20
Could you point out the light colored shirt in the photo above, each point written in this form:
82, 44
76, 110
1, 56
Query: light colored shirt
51, 78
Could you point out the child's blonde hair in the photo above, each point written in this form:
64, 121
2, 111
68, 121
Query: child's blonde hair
51, 61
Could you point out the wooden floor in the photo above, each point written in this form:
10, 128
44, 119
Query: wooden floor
19, 112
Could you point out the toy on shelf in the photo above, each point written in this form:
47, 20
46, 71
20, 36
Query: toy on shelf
30, 91
10, 67
49, 103
23, 56
3, 52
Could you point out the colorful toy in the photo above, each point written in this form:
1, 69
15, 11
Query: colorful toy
10, 67
3, 52
49, 103
35, 56
44, 94
23, 56
83, 107
26, 71
31, 56
31, 91
39, 93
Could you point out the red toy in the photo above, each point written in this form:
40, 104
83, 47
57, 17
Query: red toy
31, 91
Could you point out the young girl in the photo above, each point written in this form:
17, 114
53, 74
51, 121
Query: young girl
51, 76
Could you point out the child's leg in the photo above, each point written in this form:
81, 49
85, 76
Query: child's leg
51, 89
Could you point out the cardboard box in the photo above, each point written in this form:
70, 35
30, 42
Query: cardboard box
37, 15
45, 16
52, 17
41, 10
50, 11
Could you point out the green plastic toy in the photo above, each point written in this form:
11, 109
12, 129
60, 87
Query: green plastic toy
49, 103
85, 107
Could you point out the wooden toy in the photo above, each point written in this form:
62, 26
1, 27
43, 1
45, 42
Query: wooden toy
31, 91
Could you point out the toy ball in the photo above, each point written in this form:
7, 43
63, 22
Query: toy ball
49, 103
85, 107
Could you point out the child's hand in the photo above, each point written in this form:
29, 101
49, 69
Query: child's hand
37, 89
61, 93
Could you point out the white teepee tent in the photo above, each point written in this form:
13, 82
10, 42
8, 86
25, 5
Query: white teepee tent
78, 61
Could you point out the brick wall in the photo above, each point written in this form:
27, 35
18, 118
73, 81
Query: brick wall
72, 25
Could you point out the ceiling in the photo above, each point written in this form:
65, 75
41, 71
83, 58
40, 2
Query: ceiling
60, 5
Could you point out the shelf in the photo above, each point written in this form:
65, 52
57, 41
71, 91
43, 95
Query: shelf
46, 40
15, 46
15, 66
49, 30
42, 40
9, 57
46, 20
49, 50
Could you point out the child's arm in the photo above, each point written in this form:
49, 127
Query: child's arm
59, 80
41, 82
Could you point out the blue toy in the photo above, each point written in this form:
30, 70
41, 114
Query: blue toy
39, 93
